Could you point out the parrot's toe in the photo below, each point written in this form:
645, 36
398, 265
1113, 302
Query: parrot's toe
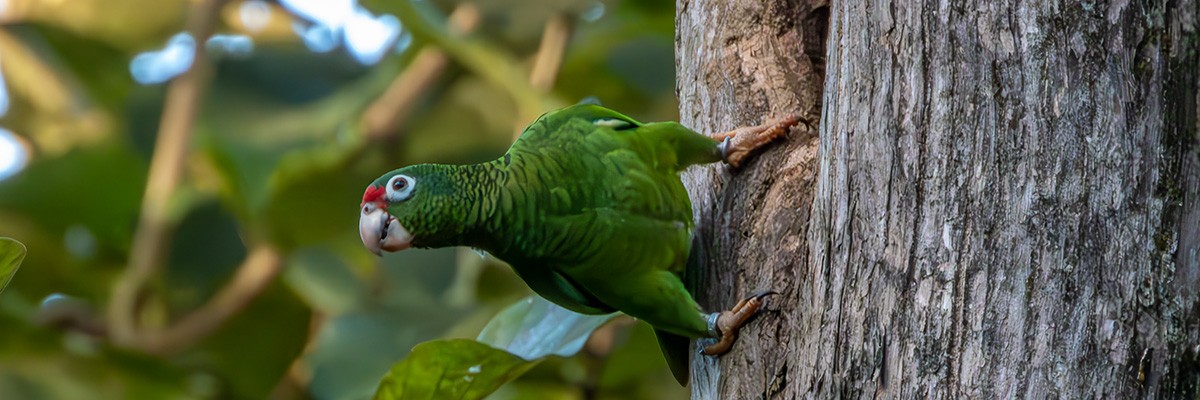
727, 323
738, 144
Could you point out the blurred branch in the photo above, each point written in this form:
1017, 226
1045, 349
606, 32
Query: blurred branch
485, 61
550, 53
155, 227
548, 59
391, 109
294, 384
599, 348
259, 269
72, 315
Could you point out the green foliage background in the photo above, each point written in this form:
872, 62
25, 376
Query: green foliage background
277, 157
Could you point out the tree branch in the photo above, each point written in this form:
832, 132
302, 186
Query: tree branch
155, 227
259, 269
391, 109
550, 53
548, 60
480, 58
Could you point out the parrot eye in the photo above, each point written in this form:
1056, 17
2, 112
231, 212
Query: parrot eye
400, 187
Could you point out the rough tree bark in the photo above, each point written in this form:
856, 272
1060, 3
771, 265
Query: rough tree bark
1001, 201
740, 63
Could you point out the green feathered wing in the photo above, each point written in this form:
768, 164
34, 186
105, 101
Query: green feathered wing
594, 217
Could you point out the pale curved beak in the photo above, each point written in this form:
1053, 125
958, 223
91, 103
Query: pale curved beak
380, 231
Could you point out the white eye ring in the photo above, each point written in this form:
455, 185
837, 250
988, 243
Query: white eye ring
400, 188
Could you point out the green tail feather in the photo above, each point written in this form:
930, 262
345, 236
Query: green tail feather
675, 351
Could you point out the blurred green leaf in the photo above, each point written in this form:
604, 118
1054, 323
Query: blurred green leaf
636, 366
482, 58
205, 252
273, 152
534, 328
518, 390
313, 195
416, 277
514, 341
49, 106
12, 253
451, 369
132, 24
325, 282
107, 374
354, 349
472, 123
391, 305
32, 76
98, 69
48, 191
254, 350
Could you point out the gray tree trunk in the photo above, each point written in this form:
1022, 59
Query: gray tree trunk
1002, 200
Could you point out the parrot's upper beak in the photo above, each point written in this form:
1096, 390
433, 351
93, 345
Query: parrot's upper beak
380, 231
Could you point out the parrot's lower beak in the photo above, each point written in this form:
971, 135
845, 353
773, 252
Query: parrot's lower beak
381, 232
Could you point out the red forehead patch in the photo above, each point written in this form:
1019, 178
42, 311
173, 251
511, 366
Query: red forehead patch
373, 194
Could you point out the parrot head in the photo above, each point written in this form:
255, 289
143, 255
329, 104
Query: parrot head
378, 227
403, 209
414, 206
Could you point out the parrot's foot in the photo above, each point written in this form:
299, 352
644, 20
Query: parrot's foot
727, 323
737, 144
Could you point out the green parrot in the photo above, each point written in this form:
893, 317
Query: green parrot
587, 207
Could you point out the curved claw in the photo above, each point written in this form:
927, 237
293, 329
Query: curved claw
762, 293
